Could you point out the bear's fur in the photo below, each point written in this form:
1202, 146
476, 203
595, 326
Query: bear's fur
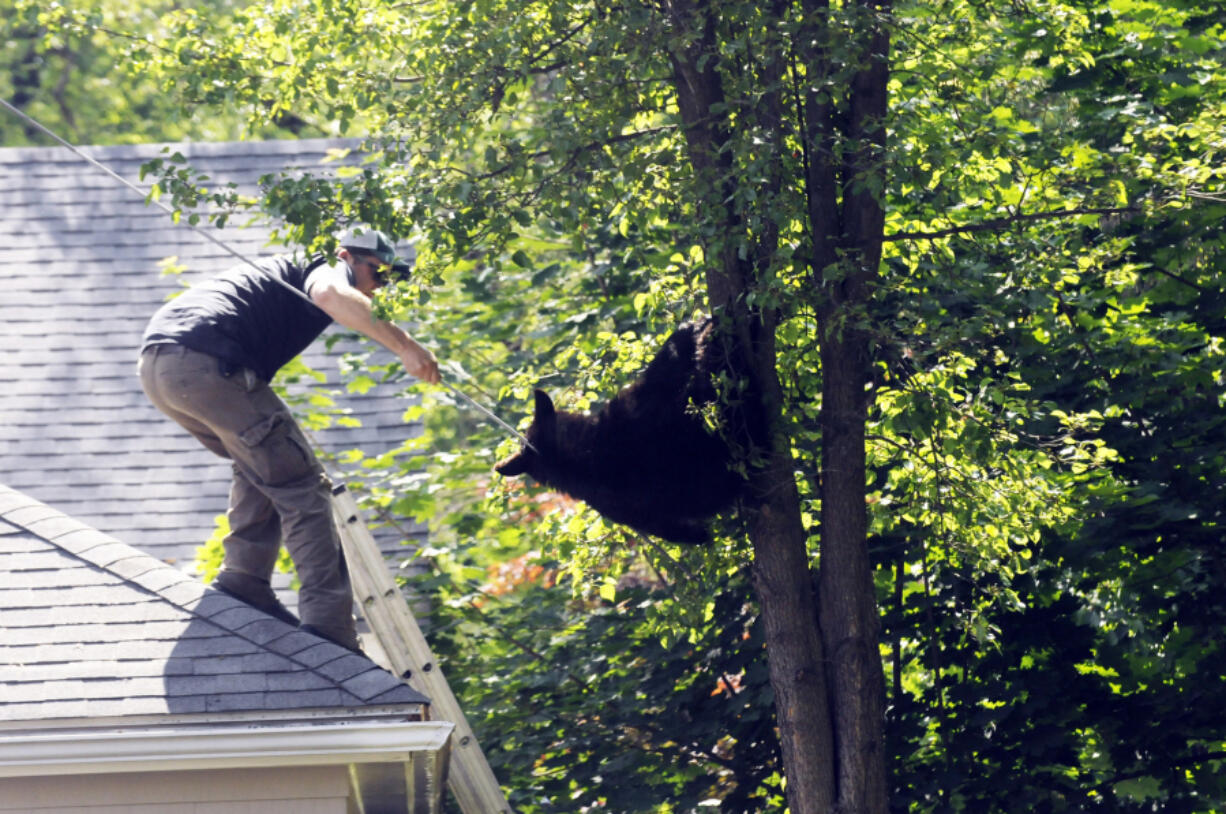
646, 459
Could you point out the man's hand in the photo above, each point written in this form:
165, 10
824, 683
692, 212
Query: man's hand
420, 363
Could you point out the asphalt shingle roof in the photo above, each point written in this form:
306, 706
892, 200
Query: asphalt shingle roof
79, 278
92, 628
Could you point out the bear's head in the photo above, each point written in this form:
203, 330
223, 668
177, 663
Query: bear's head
532, 457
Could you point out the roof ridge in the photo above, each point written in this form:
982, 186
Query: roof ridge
327, 660
82, 541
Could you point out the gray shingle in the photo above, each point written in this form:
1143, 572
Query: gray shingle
26, 598
294, 644
184, 594
265, 630
138, 632
237, 618
86, 630
371, 684
157, 580
87, 539
216, 684
76, 614
64, 670
88, 689
401, 694
320, 653
262, 662
82, 708
309, 699
344, 668
58, 578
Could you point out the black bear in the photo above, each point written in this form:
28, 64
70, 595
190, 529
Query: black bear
646, 459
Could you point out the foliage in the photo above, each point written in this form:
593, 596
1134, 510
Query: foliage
1082, 685
77, 68
1045, 425
690, 718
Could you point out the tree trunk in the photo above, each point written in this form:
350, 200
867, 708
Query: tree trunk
828, 678
793, 642
782, 580
847, 596
849, 619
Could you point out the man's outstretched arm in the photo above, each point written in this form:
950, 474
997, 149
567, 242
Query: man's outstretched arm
331, 290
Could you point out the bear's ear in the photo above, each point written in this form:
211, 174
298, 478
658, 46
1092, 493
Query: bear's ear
544, 408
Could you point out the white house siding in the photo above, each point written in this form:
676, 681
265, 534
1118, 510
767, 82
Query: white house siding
301, 790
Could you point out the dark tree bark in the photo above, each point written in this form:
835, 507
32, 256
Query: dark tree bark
849, 618
781, 564
824, 660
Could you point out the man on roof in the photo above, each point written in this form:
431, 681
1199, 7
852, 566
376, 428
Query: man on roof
206, 361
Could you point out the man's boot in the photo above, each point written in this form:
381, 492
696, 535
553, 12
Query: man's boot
255, 592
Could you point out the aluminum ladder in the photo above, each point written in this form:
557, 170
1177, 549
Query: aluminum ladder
407, 654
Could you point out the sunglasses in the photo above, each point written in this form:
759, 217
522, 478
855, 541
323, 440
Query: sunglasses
397, 269
377, 265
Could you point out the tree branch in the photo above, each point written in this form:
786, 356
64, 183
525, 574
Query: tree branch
1191, 760
996, 224
110, 32
574, 153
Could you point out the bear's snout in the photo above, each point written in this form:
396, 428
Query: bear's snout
513, 465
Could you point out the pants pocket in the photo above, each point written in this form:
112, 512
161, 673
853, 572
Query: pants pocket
275, 452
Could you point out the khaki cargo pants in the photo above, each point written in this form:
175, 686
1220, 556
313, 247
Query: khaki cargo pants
279, 489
